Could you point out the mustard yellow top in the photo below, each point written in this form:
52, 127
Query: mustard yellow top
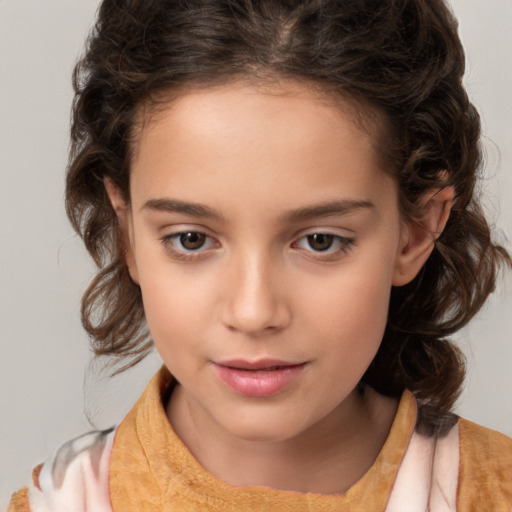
152, 470
169, 478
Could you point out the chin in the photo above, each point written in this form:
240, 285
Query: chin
264, 429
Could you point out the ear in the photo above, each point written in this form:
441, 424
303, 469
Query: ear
124, 218
419, 235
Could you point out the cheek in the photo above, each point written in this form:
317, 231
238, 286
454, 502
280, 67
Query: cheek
169, 303
350, 310
163, 304
172, 325
177, 302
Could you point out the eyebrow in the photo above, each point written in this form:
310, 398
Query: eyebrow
326, 209
185, 207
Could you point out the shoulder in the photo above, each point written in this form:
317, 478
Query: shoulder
485, 469
76, 475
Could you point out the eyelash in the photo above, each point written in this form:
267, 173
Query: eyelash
169, 242
343, 245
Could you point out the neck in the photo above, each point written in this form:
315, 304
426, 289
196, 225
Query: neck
327, 458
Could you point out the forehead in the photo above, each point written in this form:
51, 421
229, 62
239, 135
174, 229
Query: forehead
244, 92
251, 138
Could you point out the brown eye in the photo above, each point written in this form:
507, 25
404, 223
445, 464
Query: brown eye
324, 245
192, 241
185, 245
320, 241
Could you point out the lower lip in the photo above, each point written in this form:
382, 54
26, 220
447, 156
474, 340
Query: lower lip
258, 383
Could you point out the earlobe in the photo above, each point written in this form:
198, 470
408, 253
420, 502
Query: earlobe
123, 213
419, 235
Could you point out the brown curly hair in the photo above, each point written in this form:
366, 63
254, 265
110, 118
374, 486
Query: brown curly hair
402, 57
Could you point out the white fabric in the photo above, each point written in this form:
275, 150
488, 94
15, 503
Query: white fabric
446, 473
428, 476
76, 479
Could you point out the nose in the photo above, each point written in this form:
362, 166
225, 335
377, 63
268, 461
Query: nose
255, 302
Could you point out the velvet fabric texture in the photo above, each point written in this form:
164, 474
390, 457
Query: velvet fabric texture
168, 474
145, 440
150, 469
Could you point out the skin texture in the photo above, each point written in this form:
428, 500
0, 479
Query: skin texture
259, 161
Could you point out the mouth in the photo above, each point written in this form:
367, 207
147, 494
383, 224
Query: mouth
258, 379
261, 365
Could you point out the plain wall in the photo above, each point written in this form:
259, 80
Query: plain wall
44, 269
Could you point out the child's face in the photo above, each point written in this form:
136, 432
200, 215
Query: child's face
265, 237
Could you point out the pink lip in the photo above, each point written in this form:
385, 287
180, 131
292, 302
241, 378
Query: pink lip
261, 378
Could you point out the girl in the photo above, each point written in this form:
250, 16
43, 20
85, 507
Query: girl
280, 196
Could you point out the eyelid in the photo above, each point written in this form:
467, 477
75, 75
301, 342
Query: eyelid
342, 243
345, 243
170, 236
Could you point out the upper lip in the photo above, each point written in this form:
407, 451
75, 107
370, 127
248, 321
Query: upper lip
260, 364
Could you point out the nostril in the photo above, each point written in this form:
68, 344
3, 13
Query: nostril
259, 320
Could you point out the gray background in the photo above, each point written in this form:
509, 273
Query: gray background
43, 267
